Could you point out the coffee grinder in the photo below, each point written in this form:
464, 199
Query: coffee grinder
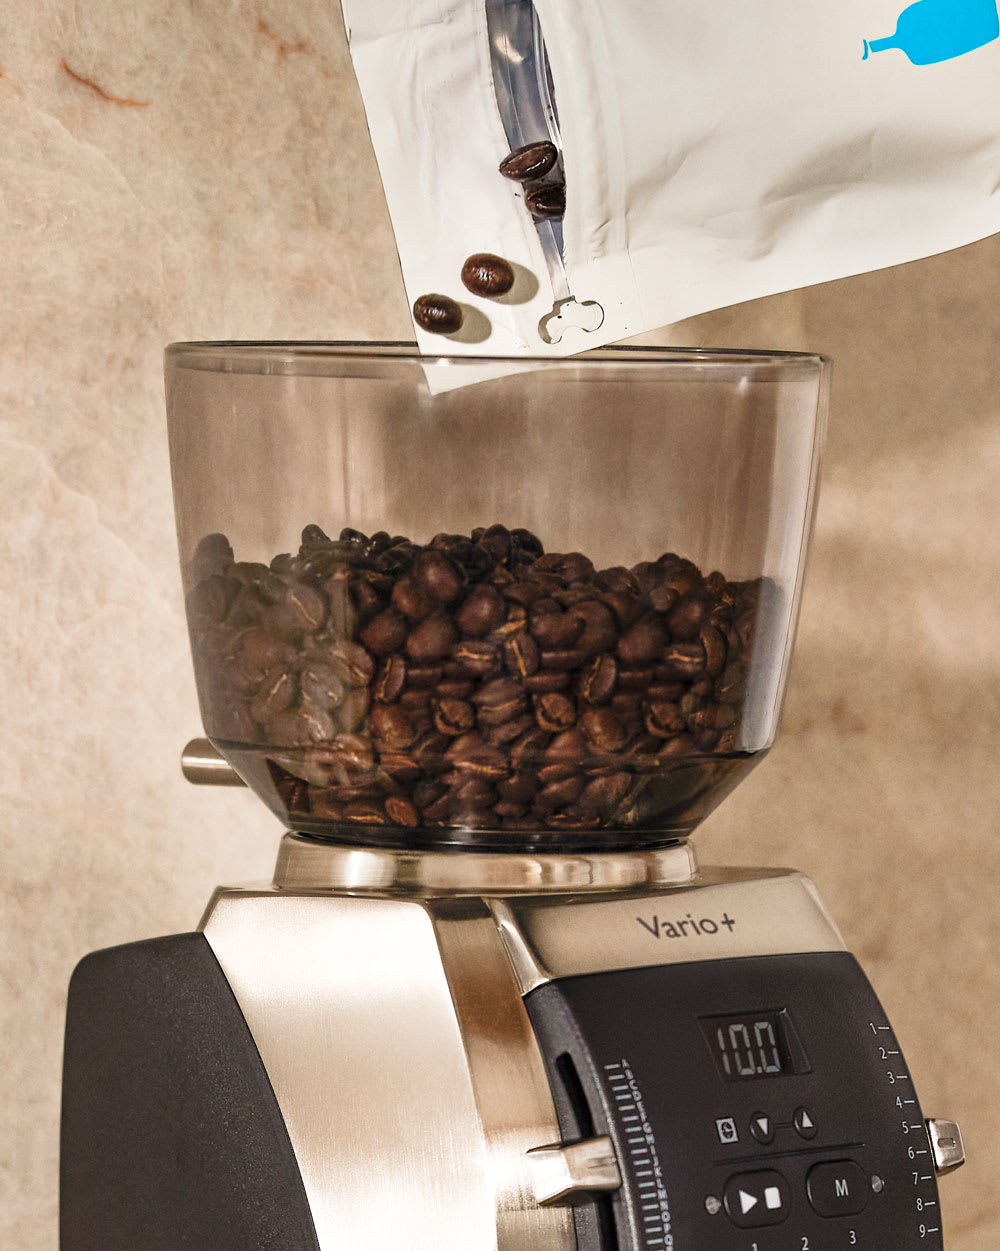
491, 638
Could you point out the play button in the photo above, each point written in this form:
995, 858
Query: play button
753, 1199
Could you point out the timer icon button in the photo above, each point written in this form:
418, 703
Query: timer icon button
804, 1122
762, 1128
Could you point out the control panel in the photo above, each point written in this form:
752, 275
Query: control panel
754, 1104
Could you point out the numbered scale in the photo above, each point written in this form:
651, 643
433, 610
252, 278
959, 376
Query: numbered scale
478, 1052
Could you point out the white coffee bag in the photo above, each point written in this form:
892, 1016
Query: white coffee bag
712, 152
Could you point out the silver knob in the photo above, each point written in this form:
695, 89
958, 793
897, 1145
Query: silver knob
202, 764
947, 1147
571, 1173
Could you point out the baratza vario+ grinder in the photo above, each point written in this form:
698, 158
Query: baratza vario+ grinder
491, 640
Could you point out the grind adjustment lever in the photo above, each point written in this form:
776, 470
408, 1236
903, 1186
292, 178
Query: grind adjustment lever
947, 1147
571, 1173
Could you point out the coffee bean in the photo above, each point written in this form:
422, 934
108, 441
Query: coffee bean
385, 632
212, 597
664, 719
605, 793
559, 793
275, 695
533, 160
521, 655
530, 747
416, 701
391, 679
410, 600
401, 812
685, 660
603, 729
643, 641
353, 709
423, 676
299, 726
554, 712
482, 610
714, 643
322, 684
487, 275
688, 615
454, 716
437, 314
437, 576
551, 627
455, 688
547, 201
432, 639
392, 724
597, 683
477, 657
563, 658
600, 630
548, 680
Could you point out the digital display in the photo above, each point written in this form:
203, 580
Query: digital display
753, 1044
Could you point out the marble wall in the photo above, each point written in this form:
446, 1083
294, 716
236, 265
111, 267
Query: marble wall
202, 171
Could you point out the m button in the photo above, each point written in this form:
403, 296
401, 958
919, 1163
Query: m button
837, 1189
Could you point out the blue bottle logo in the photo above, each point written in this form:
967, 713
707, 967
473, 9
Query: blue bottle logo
937, 30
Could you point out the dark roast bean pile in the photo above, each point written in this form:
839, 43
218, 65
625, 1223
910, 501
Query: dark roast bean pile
474, 682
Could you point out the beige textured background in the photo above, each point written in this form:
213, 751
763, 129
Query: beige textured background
195, 171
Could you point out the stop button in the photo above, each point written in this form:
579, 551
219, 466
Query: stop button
838, 1188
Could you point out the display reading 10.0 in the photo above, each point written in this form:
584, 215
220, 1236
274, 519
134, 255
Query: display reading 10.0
754, 1044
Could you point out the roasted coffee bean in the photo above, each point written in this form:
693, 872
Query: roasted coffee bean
487, 275
642, 642
410, 600
477, 657
423, 676
521, 655
551, 626
685, 660
488, 762
603, 728
403, 769
533, 160
662, 598
714, 643
606, 792
524, 593
482, 610
530, 747
432, 639
520, 788
437, 576
626, 607
455, 688
385, 632
559, 793
401, 812
454, 716
548, 680
598, 681
260, 650
547, 201
567, 566
713, 717
563, 658
391, 679
504, 732
632, 680
391, 723
322, 684
275, 695
416, 700
212, 597
664, 719
688, 615
299, 726
353, 709
437, 314
554, 712
600, 630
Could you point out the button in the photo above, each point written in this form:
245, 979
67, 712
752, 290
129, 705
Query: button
805, 1125
762, 1128
946, 1144
754, 1199
568, 1174
837, 1189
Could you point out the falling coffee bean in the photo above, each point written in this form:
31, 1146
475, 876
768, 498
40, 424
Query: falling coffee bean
437, 314
547, 201
488, 275
534, 160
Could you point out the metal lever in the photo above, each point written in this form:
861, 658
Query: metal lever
571, 1174
947, 1147
202, 765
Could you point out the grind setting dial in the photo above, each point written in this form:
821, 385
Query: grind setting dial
753, 1104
